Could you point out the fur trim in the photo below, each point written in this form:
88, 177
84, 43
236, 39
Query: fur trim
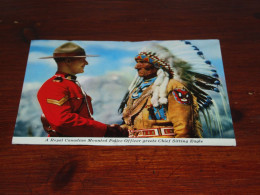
160, 89
155, 96
163, 89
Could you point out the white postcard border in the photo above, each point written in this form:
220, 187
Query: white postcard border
94, 141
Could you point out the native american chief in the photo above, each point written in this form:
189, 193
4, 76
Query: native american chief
165, 97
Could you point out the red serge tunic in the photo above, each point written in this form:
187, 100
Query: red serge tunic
61, 102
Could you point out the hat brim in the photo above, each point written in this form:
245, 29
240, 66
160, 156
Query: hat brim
50, 57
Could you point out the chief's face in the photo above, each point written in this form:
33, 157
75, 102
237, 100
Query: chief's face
77, 65
145, 69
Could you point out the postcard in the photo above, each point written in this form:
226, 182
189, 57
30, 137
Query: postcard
115, 93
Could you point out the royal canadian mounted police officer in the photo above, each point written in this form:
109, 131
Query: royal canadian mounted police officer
67, 109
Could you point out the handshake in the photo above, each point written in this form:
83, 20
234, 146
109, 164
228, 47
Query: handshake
115, 130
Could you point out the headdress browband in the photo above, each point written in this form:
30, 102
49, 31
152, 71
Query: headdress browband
155, 60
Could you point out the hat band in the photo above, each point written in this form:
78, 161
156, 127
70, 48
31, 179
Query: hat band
55, 55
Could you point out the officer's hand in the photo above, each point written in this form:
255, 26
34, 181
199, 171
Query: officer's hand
115, 130
124, 130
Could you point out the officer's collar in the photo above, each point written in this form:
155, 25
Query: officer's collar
66, 76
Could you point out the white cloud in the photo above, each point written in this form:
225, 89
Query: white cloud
128, 61
210, 48
31, 86
128, 73
34, 56
92, 61
34, 59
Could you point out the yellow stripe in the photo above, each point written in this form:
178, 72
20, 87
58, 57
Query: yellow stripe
58, 102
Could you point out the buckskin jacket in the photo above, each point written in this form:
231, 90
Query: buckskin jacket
177, 119
68, 108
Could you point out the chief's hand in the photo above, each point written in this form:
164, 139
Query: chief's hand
115, 130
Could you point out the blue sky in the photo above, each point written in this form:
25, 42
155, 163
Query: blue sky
113, 56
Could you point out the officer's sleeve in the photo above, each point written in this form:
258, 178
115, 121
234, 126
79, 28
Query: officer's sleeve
180, 110
58, 111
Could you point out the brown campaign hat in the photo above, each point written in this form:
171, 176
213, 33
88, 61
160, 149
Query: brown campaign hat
69, 49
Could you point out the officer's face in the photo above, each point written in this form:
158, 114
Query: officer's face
145, 69
77, 65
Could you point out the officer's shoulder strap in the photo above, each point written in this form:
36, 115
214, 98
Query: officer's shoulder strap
58, 79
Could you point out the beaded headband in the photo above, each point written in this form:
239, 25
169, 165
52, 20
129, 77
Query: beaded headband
155, 60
